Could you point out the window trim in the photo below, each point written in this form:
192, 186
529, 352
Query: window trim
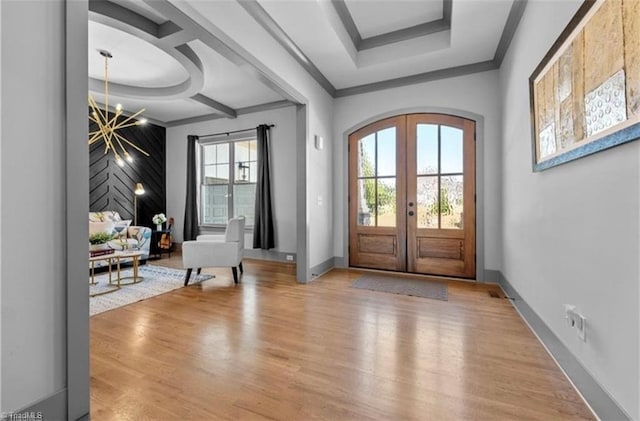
230, 140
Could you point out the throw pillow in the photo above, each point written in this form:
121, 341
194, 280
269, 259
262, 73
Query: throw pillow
124, 224
112, 216
106, 226
104, 216
96, 217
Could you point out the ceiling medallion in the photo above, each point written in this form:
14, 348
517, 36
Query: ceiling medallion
108, 124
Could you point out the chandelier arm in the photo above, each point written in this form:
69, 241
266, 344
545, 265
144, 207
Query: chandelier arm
132, 145
101, 136
112, 123
117, 138
96, 109
126, 120
94, 106
126, 125
94, 138
108, 136
108, 124
107, 145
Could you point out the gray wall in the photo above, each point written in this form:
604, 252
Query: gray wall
283, 168
571, 234
476, 94
319, 175
1, 224
32, 176
44, 193
288, 74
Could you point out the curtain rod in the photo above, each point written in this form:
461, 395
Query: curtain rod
234, 131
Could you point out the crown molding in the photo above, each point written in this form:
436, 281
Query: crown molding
266, 21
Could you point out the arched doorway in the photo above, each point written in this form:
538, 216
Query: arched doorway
412, 195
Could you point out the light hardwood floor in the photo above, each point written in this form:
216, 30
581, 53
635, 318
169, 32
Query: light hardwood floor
270, 348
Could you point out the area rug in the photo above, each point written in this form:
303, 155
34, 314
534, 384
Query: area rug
157, 280
403, 286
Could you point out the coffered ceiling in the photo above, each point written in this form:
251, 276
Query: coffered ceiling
182, 71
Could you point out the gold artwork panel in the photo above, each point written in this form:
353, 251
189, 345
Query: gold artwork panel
603, 44
588, 87
578, 87
631, 13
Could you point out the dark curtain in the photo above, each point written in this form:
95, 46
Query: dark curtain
191, 206
263, 236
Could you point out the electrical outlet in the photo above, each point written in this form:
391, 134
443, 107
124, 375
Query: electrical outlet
581, 325
290, 257
577, 320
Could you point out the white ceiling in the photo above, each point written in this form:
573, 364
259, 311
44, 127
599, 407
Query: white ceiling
228, 84
176, 76
379, 17
134, 62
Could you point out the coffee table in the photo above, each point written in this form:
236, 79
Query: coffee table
116, 258
135, 257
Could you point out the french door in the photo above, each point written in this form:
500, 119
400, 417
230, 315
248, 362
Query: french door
412, 195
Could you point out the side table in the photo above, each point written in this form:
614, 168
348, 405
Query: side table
154, 249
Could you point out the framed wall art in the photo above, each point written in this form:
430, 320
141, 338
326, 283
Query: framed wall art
585, 94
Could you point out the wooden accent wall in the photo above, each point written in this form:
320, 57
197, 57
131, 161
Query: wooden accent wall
111, 186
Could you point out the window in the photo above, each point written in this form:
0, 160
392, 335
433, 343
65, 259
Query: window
228, 181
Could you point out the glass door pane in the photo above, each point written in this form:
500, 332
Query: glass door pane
386, 202
439, 169
377, 179
451, 143
451, 202
427, 198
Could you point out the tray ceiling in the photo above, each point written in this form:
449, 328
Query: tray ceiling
181, 70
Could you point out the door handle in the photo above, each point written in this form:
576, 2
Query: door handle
411, 213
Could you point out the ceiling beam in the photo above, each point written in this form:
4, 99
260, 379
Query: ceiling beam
271, 26
124, 15
215, 116
218, 106
446, 11
515, 14
224, 45
347, 21
264, 107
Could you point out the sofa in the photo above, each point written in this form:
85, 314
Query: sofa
129, 237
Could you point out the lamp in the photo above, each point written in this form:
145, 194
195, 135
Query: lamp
137, 192
243, 167
108, 124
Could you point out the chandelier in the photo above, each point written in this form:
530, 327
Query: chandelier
108, 124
